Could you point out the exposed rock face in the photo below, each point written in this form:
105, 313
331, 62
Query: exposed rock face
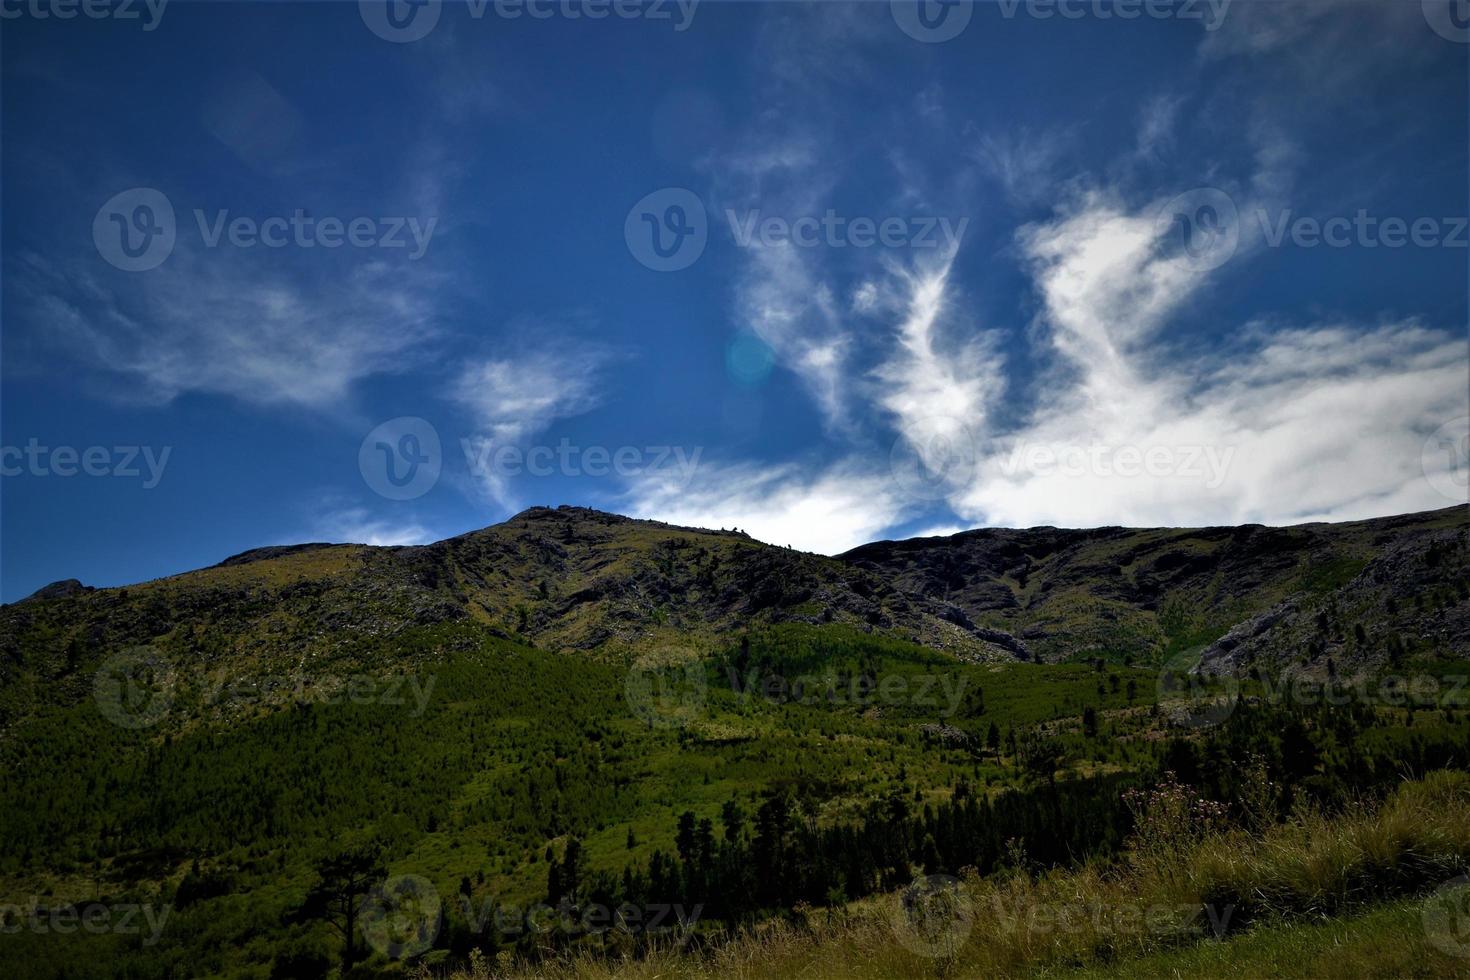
1142, 593
571, 578
563, 578
59, 590
272, 551
1413, 597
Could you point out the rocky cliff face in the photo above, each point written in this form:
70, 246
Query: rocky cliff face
564, 578
1413, 597
1357, 595
1147, 594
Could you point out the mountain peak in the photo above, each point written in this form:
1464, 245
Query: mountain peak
59, 590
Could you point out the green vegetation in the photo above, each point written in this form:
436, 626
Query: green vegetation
228, 810
1191, 896
252, 770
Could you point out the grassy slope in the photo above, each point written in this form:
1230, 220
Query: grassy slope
1387, 942
1140, 919
514, 749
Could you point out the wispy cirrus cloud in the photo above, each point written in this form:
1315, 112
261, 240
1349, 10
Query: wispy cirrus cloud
1290, 423
231, 326
512, 398
933, 370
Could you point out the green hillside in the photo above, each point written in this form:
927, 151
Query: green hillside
576, 711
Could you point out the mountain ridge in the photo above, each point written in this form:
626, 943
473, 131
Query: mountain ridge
584, 579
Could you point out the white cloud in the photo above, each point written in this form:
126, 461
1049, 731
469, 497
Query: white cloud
511, 399
1156, 125
826, 512
235, 327
941, 531
928, 378
1024, 162
353, 525
1319, 423
798, 317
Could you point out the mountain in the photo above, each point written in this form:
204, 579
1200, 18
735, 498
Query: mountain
1147, 594
556, 578
577, 696
574, 578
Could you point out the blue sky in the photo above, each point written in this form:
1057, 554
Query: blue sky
981, 267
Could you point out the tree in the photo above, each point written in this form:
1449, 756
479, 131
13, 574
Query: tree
342, 880
733, 818
1040, 757
1089, 721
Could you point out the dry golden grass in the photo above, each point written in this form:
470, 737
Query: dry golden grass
1155, 903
